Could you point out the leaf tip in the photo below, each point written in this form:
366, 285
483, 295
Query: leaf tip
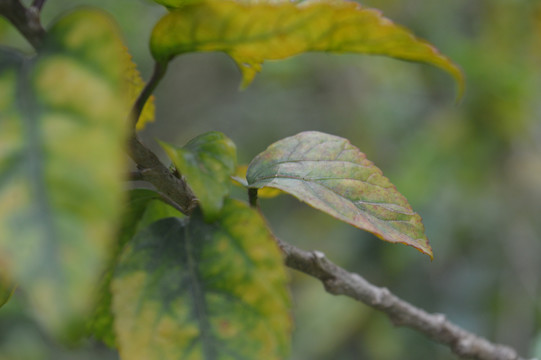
425, 249
460, 80
429, 253
249, 70
461, 89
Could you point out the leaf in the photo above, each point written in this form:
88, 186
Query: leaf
254, 32
176, 4
239, 179
135, 86
207, 162
143, 208
92, 49
4, 26
62, 130
333, 176
6, 289
171, 4
193, 290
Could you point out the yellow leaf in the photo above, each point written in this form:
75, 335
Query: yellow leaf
135, 85
239, 179
254, 32
174, 3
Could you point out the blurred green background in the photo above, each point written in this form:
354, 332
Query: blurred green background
472, 170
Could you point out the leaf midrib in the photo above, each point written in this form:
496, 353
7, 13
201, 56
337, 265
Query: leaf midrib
35, 155
233, 42
364, 213
200, 304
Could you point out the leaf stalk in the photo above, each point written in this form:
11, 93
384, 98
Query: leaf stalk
159, 71
252, 196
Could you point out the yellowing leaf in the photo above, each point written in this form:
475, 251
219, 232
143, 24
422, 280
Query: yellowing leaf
207, 162
62, 129
239, 179
333, 176
253, 33
142, 209
174, 3
106, 60
192, 290
135, 86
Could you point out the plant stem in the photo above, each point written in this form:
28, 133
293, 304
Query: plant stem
252, 196
171, 184
153, 171
38, 4
25, 20
158, 73
338, 281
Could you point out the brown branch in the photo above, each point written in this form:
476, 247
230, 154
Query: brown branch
338, 281
170, 184
136, 175
25, 20
38, 4
153, 171
158, 73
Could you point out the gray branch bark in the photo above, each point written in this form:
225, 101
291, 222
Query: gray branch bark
338, 281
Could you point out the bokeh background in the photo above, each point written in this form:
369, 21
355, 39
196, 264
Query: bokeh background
472, 170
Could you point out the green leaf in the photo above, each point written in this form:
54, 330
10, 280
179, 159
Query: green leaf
62, 131
143, 208
171, 4
207, 162
254, 32
193, 290
333, 176
6, 289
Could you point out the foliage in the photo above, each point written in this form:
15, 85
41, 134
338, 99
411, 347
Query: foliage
207, 162
252, 33
189, 287
333, 176
60, 193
